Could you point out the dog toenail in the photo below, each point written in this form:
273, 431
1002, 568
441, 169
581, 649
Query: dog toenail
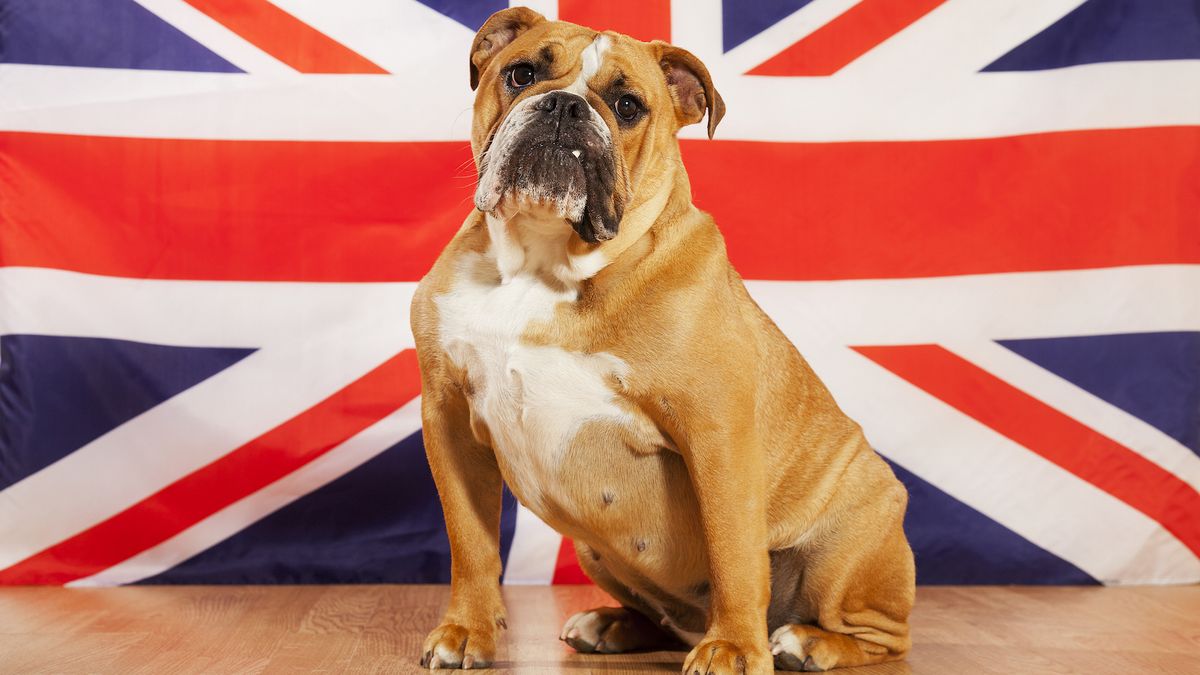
608, 497
641, 544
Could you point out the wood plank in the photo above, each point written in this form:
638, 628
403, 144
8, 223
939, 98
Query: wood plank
379, 629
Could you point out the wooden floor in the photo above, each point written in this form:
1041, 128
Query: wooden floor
379, 629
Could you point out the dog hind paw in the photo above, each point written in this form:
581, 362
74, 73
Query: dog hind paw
609, 630
801, 648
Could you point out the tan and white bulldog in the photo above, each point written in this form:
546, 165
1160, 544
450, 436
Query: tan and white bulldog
584, 339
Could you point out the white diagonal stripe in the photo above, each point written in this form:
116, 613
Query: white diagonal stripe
216, 37
1090, 410
343, 459
959, 36
397, 35
787, 31
178, 436
1049, 506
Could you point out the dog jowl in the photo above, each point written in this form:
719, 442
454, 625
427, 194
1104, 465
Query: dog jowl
584, 339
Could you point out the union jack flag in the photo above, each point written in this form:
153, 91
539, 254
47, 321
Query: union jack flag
979, 221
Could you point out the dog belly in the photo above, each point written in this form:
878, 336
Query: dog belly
632, 510
634, 504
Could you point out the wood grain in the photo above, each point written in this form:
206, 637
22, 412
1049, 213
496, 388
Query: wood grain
379, 629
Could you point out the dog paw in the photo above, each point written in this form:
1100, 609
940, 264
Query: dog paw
722, 657
453, 646
609, 630
800, 648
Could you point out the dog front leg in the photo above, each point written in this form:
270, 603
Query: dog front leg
726, 469
469, 485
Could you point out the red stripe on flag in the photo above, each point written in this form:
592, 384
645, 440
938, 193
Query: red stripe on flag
640, 19
231, 210
345, 211
238, 474
566, 567
285, 37
838, 43
1071, 200
1059, 438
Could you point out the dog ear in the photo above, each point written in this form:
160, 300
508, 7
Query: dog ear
691, 86
497, 33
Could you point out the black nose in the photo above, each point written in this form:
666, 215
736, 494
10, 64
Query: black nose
562, 104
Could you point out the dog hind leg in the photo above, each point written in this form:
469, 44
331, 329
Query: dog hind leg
851, 602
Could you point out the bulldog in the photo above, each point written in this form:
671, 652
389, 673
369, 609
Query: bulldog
584, 339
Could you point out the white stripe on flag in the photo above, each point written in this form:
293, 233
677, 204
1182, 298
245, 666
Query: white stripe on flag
432, 102
990, 306
534, 551
191, 313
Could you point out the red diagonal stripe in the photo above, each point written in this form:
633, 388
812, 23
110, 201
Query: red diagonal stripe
1079, 449
640, 19
285, 37
238, 474
350, 211
852, 34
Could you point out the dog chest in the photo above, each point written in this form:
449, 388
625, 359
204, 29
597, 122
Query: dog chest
532, 398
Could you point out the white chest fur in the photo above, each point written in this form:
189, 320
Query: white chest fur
533, 398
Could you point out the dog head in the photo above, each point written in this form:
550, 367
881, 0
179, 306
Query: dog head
568, 119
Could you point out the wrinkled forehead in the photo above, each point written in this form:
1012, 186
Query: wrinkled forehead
567, 49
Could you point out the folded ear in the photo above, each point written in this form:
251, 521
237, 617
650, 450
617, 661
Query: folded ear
497, 33
691, 86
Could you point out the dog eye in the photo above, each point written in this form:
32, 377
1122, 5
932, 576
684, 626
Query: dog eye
627, 107
521, 75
